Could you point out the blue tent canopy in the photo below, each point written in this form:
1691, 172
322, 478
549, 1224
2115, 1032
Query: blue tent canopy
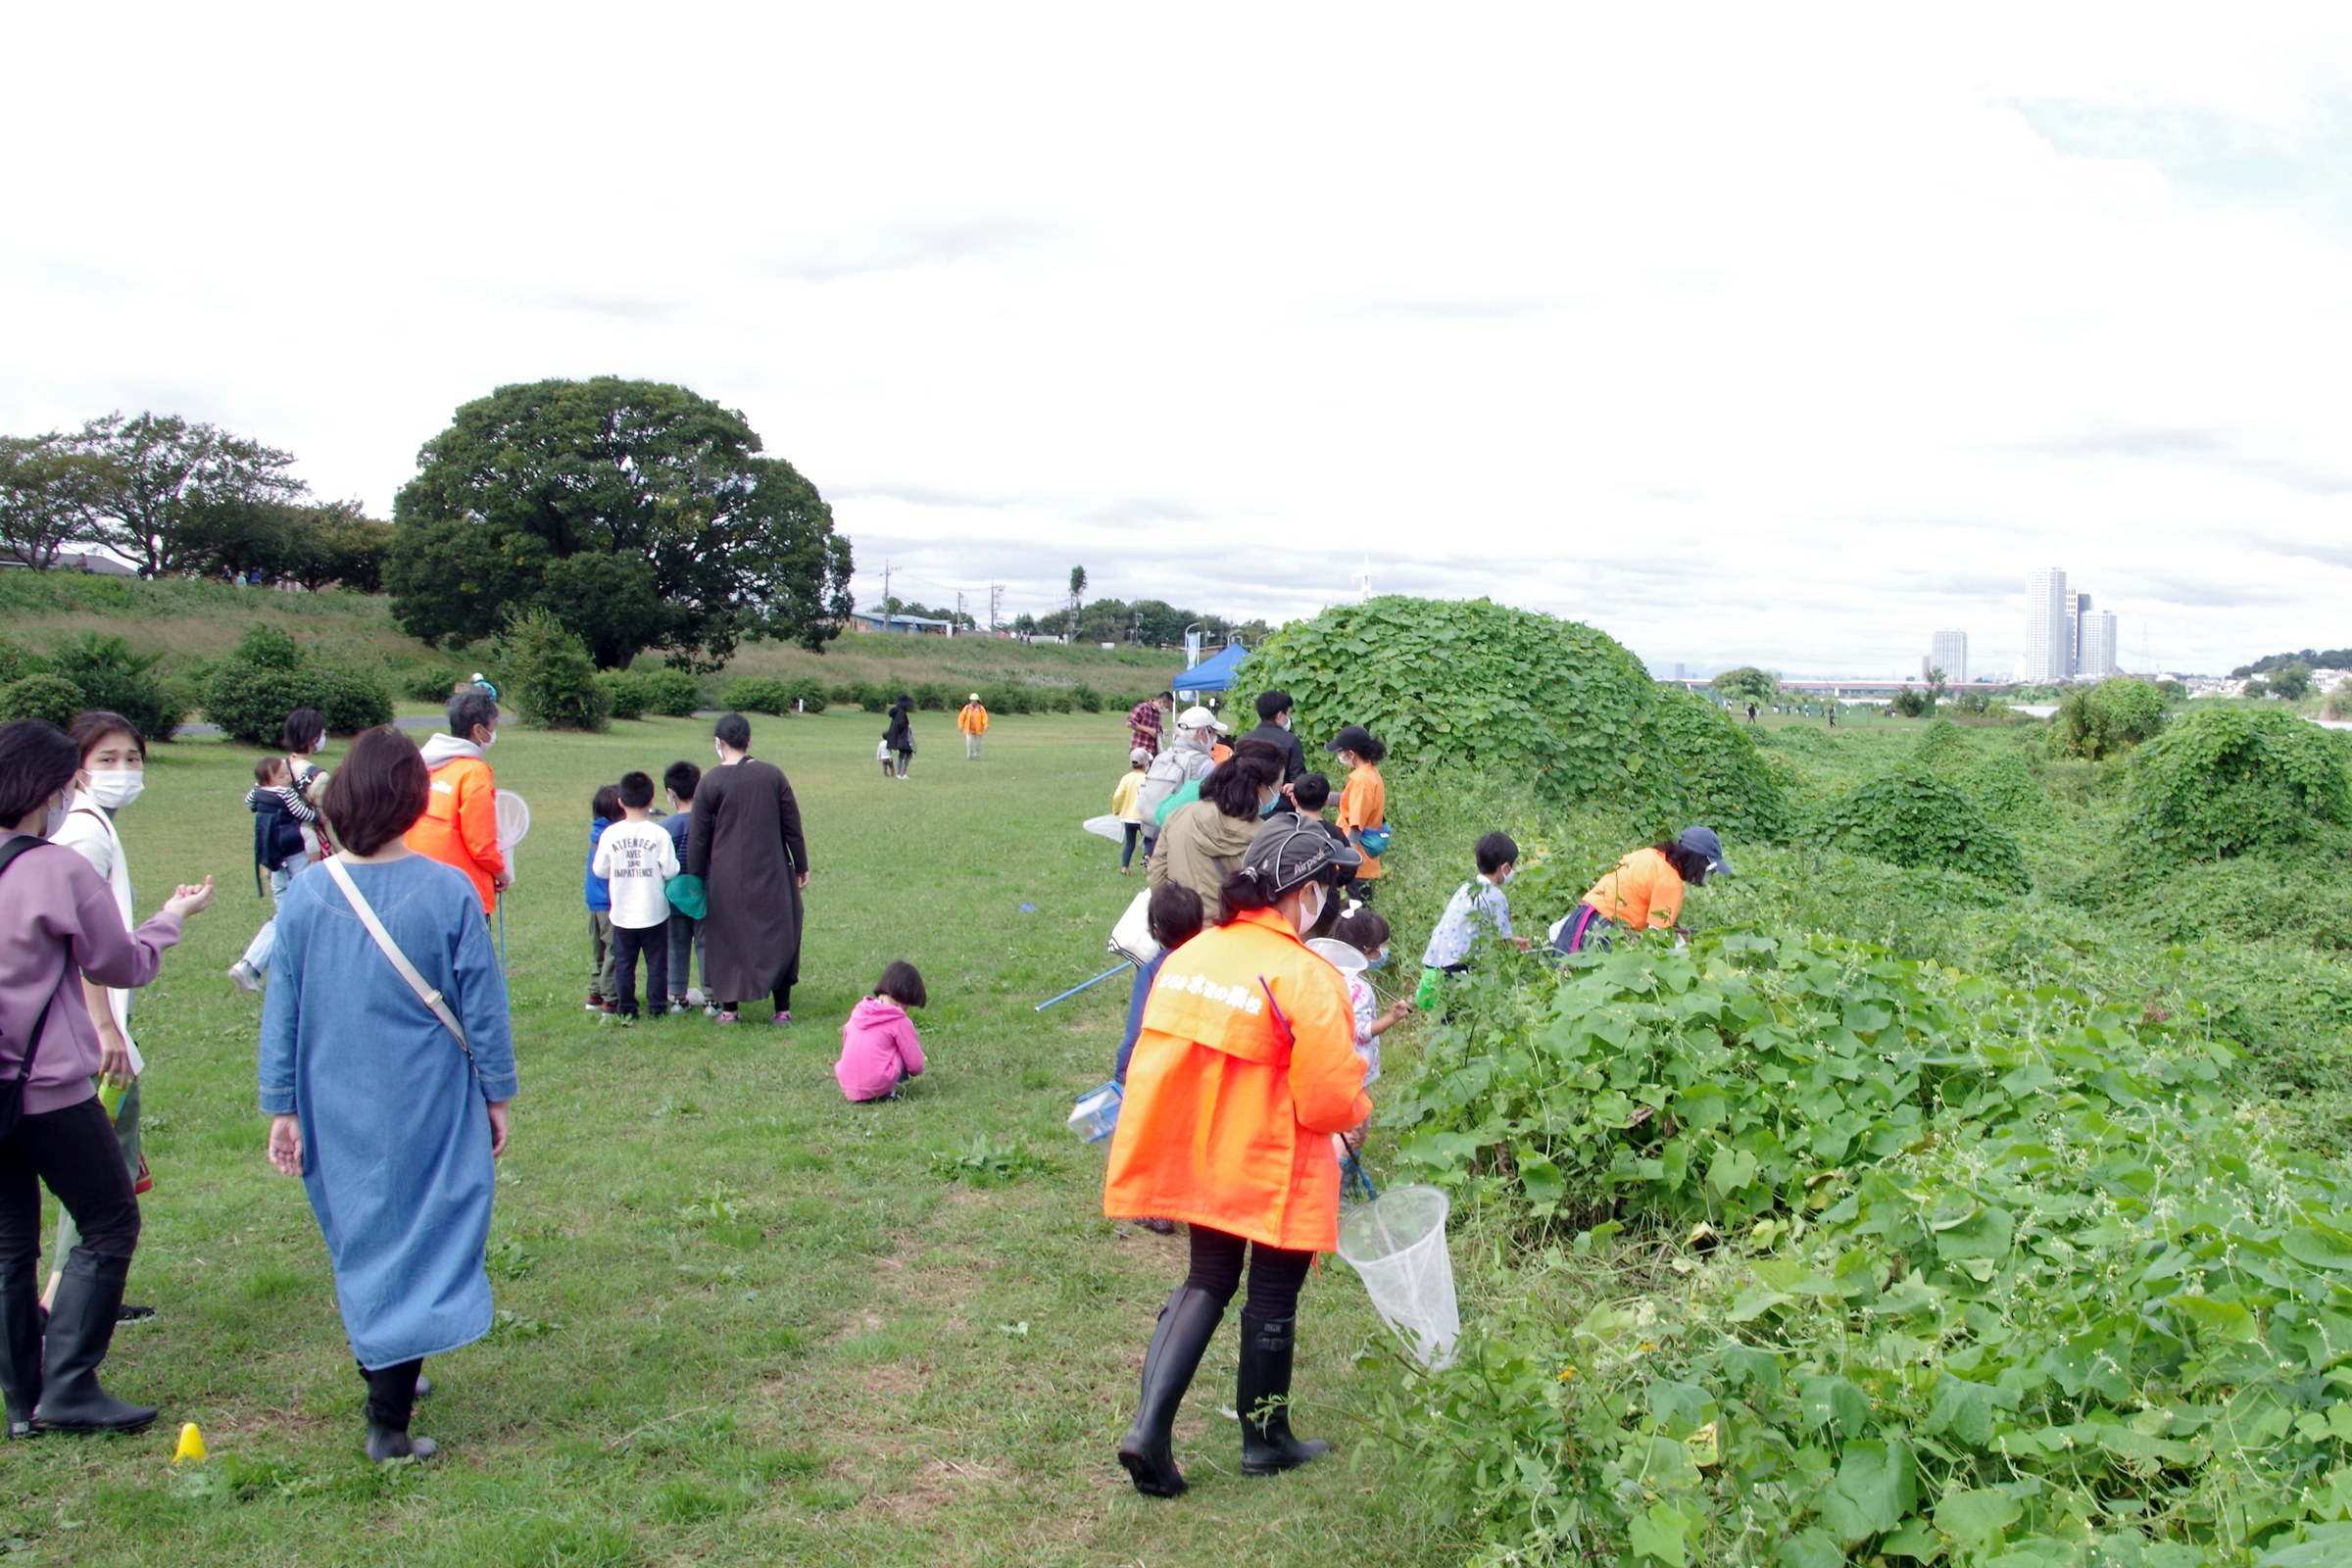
1214, 674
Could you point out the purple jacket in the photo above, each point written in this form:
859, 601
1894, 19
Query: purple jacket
55, 910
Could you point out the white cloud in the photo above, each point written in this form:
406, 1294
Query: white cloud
1746, 334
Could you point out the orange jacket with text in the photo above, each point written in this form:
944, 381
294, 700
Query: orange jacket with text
1228, 1115
460, 824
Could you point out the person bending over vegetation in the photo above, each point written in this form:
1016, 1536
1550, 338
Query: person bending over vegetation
1643, 892
387, 993
879, 1048
1245, 1068
60, 925
1203, 842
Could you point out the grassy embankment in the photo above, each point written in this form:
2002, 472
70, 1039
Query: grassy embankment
742, 1321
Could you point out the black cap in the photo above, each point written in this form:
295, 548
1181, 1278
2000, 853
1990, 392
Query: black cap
1290, 851
1354, 738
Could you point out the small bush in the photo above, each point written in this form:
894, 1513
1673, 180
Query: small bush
550, 676
270, 647
436, 683
875, 699
17, 662
348, 700
844, 694
935, 697
2338, 705
809, 693
2107, 719
1089, 700
2226, 780
624, 693
1701, 765
50, 697
250, 701
756, 694
1912, 818
671, 693
113, 677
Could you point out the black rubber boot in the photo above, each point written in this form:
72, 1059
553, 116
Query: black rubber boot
1262, 1400
1148, 1450
21, 1343
391, 1397
81, 1327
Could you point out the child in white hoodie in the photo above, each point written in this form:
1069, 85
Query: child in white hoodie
879, 1048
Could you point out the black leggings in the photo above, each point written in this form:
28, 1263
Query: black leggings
783, 999
1135, 830
74, 1151
1275, 1273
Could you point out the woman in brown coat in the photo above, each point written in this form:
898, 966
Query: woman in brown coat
746, 846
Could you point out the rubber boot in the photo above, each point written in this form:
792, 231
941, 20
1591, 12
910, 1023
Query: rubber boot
1262, 1398
1148, 1450
391, 1397
21, 1343
81, 1327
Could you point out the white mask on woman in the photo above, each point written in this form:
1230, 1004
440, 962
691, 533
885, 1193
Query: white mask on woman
58, 809
116, 787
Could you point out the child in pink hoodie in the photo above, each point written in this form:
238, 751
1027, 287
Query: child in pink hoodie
879, 1050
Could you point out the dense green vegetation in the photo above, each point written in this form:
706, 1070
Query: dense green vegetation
1975, 1213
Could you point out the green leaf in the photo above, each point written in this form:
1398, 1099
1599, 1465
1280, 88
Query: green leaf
1812, 1547
1754, 1302
2321, 1249
1873, 1489
1976, 1516
1915, 1539
1986, 1234
2225, 1320
1658, 1533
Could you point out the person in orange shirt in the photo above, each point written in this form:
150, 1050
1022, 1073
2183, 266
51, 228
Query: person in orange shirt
460, 824
973, 721
1365, 801
1644, 893
1244, 1066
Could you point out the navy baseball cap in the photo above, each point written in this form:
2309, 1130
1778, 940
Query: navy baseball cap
1704, 841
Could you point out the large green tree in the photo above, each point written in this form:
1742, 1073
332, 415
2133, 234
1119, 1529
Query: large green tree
638, 514
48, 497
155, 475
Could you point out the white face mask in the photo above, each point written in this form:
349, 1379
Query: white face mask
116, 787
58, 809
719, 750
1284, 721
1308, 916
492, 740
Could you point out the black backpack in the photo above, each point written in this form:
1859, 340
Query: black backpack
276, 836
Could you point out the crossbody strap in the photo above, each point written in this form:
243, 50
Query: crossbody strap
391, 950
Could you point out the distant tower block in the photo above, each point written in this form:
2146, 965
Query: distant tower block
1947, 650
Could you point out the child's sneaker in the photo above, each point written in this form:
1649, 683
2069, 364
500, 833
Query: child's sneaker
709, 1009
730, 1017
245, 977
677, 1003
782, 1020
595, 1002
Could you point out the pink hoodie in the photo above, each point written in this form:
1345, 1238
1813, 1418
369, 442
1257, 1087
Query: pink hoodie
876, 1041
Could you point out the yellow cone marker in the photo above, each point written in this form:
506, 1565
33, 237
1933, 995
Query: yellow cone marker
191, 1445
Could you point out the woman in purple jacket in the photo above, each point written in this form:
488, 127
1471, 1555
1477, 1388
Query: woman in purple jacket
59, 922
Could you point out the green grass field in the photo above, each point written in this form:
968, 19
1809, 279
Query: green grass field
740, 1320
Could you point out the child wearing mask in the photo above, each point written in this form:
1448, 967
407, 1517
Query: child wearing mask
1367, 933
1478, 908
879, 1048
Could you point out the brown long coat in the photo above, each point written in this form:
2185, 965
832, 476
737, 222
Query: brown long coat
747, 848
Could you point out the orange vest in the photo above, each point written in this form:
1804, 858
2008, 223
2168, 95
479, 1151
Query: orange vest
460, 824
1226, 1123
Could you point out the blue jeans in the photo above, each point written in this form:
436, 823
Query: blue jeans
686, 932
264, 940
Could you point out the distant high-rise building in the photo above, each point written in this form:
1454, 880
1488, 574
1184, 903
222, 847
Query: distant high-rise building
2096, 646
1948, 652
1678, 669
2049, 630
2077, 607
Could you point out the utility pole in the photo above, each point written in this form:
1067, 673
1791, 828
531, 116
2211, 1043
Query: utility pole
888, 608
959, 621
996, 606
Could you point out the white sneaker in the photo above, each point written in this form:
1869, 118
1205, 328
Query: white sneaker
245, 977
695, 997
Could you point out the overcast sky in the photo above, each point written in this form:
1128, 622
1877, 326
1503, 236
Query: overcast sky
1782, 334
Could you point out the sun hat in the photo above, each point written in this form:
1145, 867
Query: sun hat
1704, 841
1142, 754
975, 696
1290, 851
1198, 717
1352, 738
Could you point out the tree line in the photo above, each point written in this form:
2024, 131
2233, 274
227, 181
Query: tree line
179, 497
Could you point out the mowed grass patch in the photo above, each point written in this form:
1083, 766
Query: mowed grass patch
741, 1321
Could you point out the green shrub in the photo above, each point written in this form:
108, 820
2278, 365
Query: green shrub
250, 701
756, 694
1696, 764
671, 693
1912, 818
1088, 699
1943, 748
845, 693
935, 697
548, 676
268, 647
17, 662
113, 677
2226, 780
433, 683
348, 700
2006, 788
2107, 719
50, 697
1958, 1273
808, 694
624, 693
876, 699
